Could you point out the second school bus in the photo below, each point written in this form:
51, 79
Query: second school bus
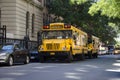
62, 41
93, 46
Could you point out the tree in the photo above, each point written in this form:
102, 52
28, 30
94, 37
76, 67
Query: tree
76, 13
109, 8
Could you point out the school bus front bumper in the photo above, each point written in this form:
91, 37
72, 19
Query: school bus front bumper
53, 53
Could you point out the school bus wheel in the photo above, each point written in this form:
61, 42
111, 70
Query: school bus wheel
42, 59
96, 55
69, 57
90, 54
82, 56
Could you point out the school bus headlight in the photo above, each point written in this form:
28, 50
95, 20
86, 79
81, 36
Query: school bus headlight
41, 48
64, 48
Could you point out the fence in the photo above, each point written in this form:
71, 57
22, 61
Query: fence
28, 45
23, 42
2, 35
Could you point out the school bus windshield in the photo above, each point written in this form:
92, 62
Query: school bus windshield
58, 34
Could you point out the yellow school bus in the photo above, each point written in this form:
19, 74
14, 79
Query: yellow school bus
93, 46
62, 41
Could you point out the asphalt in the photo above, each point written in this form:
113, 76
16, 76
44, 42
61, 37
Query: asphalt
105, 67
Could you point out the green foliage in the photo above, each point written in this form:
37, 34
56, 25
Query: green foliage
110, 8
76, 13
59, 7
77, 1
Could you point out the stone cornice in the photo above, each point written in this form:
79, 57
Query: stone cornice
35, 3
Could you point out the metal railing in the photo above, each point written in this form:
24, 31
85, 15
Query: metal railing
25, 43
2, 35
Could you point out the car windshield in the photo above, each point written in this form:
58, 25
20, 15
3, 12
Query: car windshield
7, 47
61, 34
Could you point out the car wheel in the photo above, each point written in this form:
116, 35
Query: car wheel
27, 60
10, 61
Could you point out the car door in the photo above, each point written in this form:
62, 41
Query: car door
23, 53
17, 53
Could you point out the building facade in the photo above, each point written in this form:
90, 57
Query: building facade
47, 17
22, 17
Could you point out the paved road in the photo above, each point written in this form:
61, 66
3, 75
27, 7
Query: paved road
105, 67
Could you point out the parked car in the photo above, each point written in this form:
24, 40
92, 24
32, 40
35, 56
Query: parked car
34, 54
102, 52
111, 49
117, 51
13, 53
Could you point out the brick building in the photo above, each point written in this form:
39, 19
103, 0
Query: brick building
22, 17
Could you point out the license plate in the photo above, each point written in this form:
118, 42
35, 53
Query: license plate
52, 53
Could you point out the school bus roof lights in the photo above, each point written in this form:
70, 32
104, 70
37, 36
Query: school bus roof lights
67, 26
46, 27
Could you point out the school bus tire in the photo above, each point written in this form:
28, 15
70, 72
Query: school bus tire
69, 57
41, 58
82, 56
90, 54
96, 55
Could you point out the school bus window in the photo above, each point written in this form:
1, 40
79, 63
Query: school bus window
78, 40
84, 41
74, 35
61, 34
